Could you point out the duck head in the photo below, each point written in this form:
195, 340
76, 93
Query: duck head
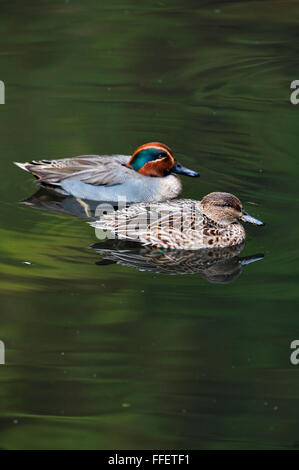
225, 209
156, 159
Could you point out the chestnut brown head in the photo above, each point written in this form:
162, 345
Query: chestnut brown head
157, 160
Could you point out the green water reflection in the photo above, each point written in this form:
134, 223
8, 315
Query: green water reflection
106, 356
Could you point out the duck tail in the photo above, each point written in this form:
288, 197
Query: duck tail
23, 166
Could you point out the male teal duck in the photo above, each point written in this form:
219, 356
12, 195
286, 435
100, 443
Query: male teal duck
148, 175
182, 224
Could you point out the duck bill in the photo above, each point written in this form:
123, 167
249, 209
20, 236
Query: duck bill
251, 220
181, 170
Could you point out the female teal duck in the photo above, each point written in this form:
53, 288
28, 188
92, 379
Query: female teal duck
182, 224
148, 175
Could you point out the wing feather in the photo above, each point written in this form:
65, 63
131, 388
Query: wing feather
93, 169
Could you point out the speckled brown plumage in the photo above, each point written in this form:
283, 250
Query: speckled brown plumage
181, 224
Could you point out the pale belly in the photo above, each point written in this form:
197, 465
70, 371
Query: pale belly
133, 190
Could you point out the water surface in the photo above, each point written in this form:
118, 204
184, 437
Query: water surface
106, 356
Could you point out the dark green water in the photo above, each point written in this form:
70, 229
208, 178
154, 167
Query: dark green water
106, 356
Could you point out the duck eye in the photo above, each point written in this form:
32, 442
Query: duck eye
159, 155
225, 204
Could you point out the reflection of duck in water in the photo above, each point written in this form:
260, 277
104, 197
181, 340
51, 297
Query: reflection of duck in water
222, 265
182, 224
48, 201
